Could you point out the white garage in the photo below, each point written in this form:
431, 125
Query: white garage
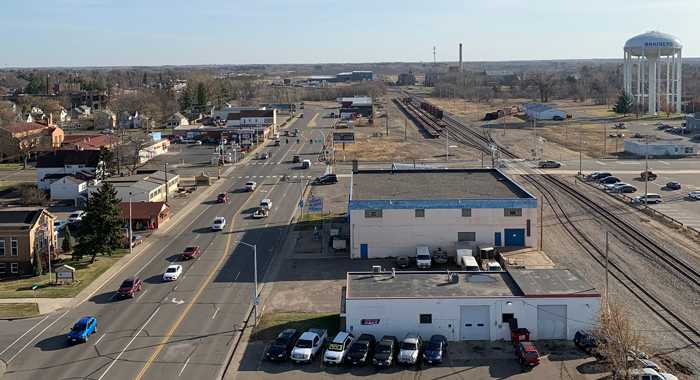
551, 303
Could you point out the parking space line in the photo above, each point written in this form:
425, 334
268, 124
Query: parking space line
450, 357
261, 357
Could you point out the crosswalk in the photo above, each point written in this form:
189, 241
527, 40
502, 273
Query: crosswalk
277, 163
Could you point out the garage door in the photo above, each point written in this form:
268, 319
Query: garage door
551, 322
475, 322
515, 237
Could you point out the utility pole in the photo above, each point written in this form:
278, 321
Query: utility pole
405, 127
387, 121
646, 174
534, 138
580, 149
447, 146
605, 139
607, 247
541, 220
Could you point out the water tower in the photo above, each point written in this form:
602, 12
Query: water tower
657, 82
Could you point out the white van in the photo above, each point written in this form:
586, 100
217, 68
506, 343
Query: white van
423, 259
469, 264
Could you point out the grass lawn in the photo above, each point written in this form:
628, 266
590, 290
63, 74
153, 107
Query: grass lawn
4, 185
309, 221
270, 325
85, 273
18, 310
11, 166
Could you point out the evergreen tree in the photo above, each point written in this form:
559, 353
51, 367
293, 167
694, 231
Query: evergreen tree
145, 79
101, 225
109, 161
186, 99
201, 95
67, 245
623, 104
36, 263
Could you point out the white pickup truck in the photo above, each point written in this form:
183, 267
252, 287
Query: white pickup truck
309, 345
549, 164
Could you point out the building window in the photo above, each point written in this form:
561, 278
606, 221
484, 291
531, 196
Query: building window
513, 212
2, 268
420, 213
2, 246
14, 267
426, 318
466, 236
373, 213
466, 212
507, 317
14, 251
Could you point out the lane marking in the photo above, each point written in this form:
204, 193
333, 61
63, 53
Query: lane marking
37, 335
98, 341
144, 292
110, 298
600, 163
217, 310
239, 273
183, 367
201, 289
664, 162
129, 344
28, 331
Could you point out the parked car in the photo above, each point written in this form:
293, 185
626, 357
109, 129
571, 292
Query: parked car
696, 137
59, 224
362, 350
328, 178
609, 180
339, 348
222, 198
190, 252
219, 223
651, 198
600, 175
82, 330
172, 273
557, 117
129, 287
527, 354
106, 131
639, 135
198, 142
410, 349
585, 340
611, 186
658, 123
435, 350
188, 141
695, 195
309, 344
282, 346
648, 175
404, 262
613, 135
75, 217
250, 186
643, 363
687, 131
624, 189
136, 240
589, 176
423, 259
673, 185
386, 352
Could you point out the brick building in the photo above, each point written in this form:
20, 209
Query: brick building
20, 233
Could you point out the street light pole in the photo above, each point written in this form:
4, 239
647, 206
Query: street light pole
580, 149
646, 174
167, 188
131, 243
255, 269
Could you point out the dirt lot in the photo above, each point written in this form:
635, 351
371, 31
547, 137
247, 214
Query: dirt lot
679, 294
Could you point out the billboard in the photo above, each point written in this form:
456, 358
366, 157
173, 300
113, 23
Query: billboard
344, 137
316, 204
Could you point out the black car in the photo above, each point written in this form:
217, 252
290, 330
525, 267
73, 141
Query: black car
296, 158
584, 339
403, 261
609, 180
283, 345
435, 350
557, 117
624, 189
598, 176
362, 350
328, 178
386, 352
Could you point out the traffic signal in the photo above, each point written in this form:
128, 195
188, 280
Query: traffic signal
297, 141
287, 141
311, 141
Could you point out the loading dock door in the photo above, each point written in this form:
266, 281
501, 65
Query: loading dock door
515, 237
551, 322
474, 322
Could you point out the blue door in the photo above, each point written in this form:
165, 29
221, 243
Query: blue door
515, 237
363, 251
497, 240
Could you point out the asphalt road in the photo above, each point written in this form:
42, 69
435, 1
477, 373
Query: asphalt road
185, 327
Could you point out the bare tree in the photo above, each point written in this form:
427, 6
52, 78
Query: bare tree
23, 144
135, 151
50, 106
7, 116
30, 195
544, 82
603, 87
665, 107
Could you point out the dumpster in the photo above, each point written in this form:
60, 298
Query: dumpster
519, 335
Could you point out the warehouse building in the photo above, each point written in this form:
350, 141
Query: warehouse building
661, 148
392, 212
543, 112
549, 303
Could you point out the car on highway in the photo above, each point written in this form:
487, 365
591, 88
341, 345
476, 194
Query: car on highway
190, 252
282, 346
129, 287
296, 159
286, 133
222, 198
136, 240
276, 136
277, 143
696, 137
624, 189
250, 186
695, 195
673, 185
435, 350
608, 180
386, 352
650, 198
219, 223
265, 156
306, 164
59, 224
198, 142
648, 175
403, 261
82, 330
75, 217
600, 175
328, 178
172, 273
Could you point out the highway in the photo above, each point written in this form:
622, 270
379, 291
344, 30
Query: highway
184, 328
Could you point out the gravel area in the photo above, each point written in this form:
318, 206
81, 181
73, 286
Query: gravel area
665, 283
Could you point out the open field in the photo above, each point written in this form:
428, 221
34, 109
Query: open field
18, 310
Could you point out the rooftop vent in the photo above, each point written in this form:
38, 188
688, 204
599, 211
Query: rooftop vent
376, 270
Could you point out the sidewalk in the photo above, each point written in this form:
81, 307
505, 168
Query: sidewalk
50, 305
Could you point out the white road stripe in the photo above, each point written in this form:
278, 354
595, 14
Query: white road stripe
600, 163
144, 292
17, 340
217, 310
183, 367
37, 335
664, 162
98, 341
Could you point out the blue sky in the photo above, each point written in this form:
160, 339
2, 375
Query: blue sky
47, 33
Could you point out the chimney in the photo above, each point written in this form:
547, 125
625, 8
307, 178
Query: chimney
460, 58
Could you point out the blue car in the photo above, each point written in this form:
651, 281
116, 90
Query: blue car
82, 330
435, 350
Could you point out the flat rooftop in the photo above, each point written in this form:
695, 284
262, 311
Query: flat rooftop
435, 184
514, 283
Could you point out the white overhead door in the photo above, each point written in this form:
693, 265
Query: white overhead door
475, 322
551, 322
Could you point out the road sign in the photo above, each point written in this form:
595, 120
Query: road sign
301, 203
316, 204
318, 141
34, 286
256, 301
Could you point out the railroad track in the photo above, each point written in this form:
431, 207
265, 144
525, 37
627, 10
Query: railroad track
684, 328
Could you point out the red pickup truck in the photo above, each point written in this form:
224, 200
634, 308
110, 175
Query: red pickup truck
649, 174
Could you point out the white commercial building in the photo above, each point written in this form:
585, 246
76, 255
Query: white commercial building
661, 148
542, 112
550, 303
392, 212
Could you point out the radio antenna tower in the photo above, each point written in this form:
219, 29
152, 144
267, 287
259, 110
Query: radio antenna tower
434, 60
